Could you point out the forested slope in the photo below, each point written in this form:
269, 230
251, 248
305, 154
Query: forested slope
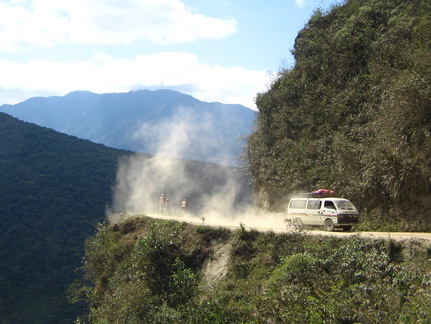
54, 189
353, 114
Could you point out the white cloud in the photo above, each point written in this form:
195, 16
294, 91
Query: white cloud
48, 22
181, 71
300, 3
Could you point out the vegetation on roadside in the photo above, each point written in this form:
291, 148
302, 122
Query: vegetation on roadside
152, 271
353, 114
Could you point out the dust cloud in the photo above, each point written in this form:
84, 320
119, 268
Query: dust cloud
216, 194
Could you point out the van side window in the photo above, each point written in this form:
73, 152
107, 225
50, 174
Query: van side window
314, 204
329, 204
300, 204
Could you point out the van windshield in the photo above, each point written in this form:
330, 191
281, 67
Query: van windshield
345, 204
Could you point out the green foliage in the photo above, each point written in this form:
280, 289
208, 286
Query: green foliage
271, 278
54, 189
331, 280
141, 279
353, 113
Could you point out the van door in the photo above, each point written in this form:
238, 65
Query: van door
313, 212
328, 210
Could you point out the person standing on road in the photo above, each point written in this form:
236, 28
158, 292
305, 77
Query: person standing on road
183, 205
161, 203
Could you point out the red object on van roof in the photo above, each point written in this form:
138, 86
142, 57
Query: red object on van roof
323, 193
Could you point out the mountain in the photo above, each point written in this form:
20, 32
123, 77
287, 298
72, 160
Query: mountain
141, 121
54, 190
353, 114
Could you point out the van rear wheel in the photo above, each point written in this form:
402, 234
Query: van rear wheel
329, 225
347, 228
298, 223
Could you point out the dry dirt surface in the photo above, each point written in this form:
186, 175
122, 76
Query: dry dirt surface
387, 235
216, 266
276, 224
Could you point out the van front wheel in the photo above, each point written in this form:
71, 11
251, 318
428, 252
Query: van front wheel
329, 225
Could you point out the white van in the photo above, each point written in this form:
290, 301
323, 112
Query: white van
328, 212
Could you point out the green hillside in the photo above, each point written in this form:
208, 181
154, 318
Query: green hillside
353, 114
54, 190
144, 270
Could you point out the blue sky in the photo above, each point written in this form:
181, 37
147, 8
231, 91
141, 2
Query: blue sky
214, 50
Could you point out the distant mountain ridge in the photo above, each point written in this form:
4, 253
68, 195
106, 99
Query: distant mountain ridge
141, 121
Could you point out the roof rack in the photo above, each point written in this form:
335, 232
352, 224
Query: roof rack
321, 193
303, 195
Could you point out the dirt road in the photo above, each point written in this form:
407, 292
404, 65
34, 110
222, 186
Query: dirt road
387, 235
275, 224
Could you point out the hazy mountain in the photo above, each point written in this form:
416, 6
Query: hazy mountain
54, 189
144, 121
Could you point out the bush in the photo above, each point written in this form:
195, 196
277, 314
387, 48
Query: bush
276, 278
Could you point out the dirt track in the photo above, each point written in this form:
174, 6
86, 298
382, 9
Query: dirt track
387, 235
269, 226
